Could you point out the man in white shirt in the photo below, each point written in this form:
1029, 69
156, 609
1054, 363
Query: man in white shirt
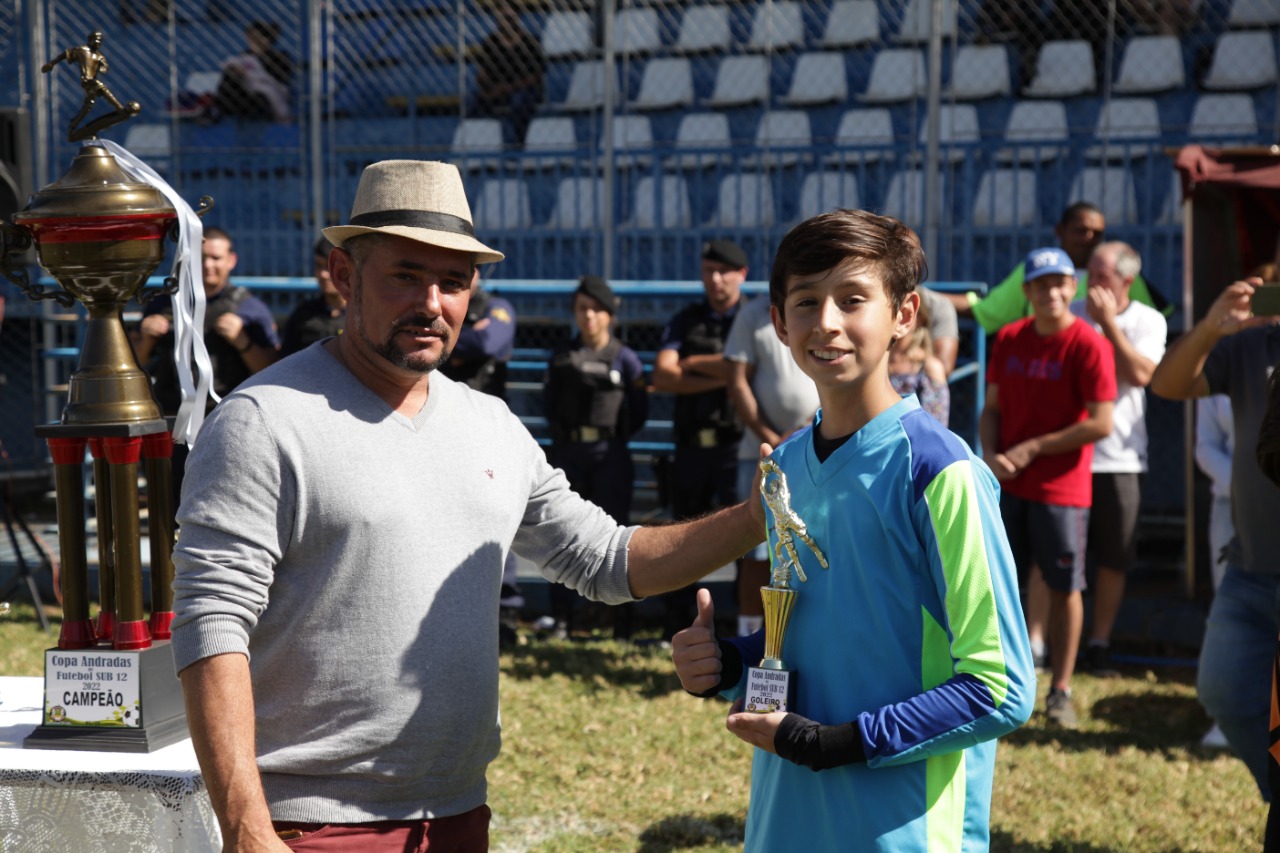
1137, 333
773, 398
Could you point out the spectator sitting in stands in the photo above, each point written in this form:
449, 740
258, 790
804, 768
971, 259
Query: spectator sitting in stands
255, 84
1079, 232
509, 70
320, 317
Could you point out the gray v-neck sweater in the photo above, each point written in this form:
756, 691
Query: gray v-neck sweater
356, 556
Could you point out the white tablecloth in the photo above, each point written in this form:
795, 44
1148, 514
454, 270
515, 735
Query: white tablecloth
54, 800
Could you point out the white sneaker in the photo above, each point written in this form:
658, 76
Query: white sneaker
1215, 739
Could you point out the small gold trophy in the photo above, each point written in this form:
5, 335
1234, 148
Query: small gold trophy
771, 685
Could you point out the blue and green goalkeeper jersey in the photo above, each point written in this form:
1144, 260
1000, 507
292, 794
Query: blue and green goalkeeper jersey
915, 631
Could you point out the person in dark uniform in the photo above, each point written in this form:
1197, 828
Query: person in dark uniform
322, 316
595, 399
239, 335
479, 360
690, 364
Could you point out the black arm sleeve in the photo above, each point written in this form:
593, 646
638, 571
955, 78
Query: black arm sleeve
730, 668
818, 747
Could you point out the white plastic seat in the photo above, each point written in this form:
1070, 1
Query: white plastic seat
149, 140
980, 71
203, 82
1122, 121
1254, 13
824, 191
957, 125
741, 80
746, 201
666, 83
577, 204
707, 131
503, 205
1063, 69
703, 28
788, 129
636, 31
662, 203
477, 137
1245, 60
567, 34
819, 78
861, 129
1223, 115
897, 74
548, 135
1150, 64
1005, 197
777, 26
852, 23
1040, 122
631, 133
586, 87
917, 21
1111, 189
904, 197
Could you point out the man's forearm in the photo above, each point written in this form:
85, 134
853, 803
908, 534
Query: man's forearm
1073, 437
670, 556
1178, 376
219, 701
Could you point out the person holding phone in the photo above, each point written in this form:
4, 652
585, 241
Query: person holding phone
1233, 351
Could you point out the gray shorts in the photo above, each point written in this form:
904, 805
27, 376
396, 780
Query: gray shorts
746, 474
1047, 535
1113, 523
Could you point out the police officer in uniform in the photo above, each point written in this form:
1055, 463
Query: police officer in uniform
239, 331
239, 335
322, 316
690, 364
595, 399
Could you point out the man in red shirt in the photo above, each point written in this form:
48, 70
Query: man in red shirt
1051, 388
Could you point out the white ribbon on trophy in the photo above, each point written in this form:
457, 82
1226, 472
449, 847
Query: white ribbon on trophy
195, 372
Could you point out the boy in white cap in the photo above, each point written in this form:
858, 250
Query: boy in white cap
344, 524
1051, 387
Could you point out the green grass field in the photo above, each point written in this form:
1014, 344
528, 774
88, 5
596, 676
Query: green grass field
602, 751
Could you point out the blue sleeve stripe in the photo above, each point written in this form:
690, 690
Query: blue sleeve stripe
893, 730
932, 449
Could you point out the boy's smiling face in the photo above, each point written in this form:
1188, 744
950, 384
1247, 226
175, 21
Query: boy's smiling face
839, 325
1050, 297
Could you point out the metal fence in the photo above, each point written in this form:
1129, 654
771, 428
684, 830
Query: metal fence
616, 138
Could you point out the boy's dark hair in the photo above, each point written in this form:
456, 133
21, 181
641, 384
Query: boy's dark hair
829, 239
213, 232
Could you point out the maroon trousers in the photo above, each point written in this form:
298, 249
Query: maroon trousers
464, 833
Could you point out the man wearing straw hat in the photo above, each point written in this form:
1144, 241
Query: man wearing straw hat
344, 523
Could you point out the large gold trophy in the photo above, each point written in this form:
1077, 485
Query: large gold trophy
100, 233
771, 686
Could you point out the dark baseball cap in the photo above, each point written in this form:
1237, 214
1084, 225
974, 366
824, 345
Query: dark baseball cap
1047, 261
725, 252
598, 289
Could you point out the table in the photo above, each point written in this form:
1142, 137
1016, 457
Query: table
53, 801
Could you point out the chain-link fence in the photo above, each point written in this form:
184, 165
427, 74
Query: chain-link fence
617, 137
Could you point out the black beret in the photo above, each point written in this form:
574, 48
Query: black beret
725, 252
323, 247
598, 289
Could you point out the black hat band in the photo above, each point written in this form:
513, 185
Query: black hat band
427, 219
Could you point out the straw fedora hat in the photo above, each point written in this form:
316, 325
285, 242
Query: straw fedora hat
417, 199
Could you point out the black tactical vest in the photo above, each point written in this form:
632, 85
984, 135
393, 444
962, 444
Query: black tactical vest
592, 391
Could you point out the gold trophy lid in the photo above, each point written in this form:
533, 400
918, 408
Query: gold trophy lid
95, 186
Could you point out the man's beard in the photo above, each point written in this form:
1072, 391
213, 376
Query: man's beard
416, 361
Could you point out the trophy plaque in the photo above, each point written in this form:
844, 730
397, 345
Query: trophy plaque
100, 232
771, 686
